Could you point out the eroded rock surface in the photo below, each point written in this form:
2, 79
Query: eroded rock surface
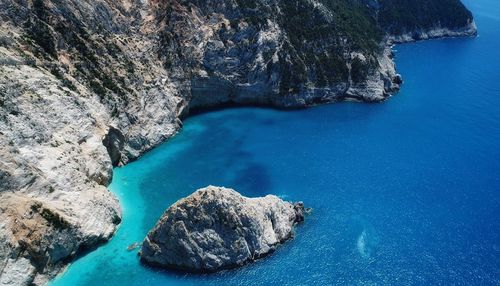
217, 228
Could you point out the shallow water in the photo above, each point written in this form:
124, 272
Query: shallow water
404, 192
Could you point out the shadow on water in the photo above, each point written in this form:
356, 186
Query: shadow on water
214, 156
232, 105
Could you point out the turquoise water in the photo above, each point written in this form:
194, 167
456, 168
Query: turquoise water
404, 192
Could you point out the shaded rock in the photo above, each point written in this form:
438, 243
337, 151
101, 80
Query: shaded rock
217, 228
114, 142
299, 211
397, 79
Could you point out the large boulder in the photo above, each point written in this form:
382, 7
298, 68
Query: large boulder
216, 228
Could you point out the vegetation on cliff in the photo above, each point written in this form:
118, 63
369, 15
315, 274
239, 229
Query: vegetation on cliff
406, 16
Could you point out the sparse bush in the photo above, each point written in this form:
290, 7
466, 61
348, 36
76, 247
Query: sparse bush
53, 218
97, 88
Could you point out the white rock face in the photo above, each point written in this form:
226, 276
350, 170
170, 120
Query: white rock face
217, 228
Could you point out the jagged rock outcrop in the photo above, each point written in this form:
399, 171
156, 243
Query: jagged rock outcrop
217, 228
85, 85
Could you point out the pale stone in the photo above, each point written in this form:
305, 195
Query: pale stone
217, 228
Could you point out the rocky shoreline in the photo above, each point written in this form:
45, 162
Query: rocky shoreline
435, 33
86, 87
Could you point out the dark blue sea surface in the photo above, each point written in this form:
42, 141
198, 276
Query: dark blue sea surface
403, 192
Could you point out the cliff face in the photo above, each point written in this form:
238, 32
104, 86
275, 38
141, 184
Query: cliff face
85, 85
281, 53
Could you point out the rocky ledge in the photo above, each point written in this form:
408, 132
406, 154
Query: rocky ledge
216, 228
469, 30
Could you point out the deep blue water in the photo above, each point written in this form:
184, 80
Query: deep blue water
403, 192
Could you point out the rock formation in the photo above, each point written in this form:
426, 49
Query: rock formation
217, 228
86, 85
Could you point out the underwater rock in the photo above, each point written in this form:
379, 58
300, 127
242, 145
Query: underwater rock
134, 246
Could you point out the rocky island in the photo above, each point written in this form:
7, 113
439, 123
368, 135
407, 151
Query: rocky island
87, 85
217, 228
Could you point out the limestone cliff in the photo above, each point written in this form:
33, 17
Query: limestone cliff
88, 84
